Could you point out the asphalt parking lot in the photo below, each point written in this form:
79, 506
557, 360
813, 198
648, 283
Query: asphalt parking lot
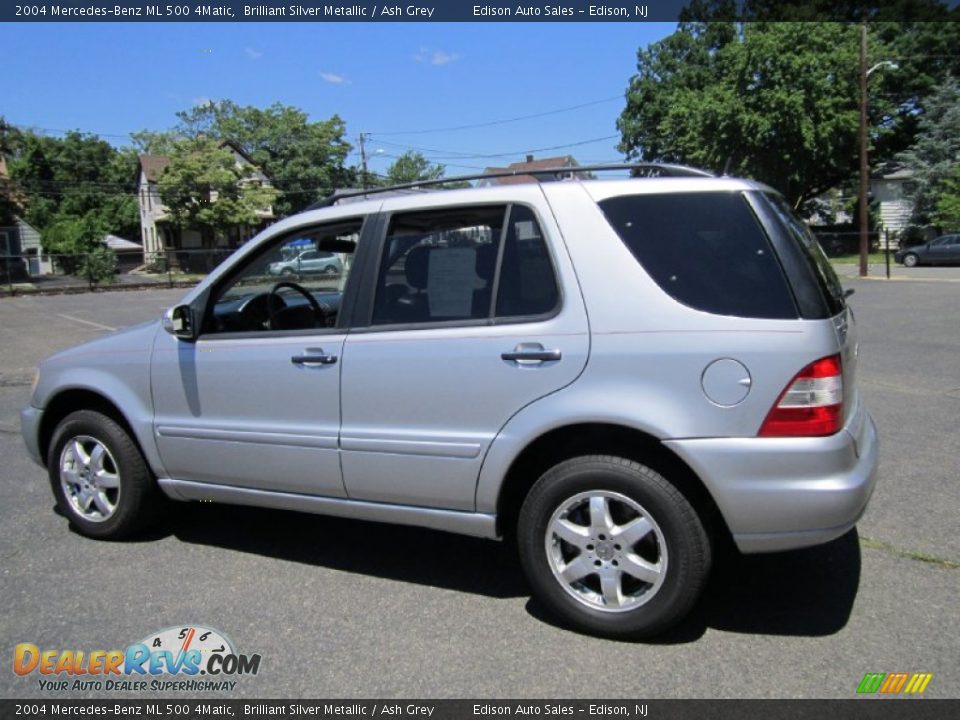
348, 609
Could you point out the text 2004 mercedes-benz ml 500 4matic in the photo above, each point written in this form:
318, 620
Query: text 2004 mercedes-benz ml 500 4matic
617, 374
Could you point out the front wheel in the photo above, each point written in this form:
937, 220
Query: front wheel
99, 477
911, 260
612, 548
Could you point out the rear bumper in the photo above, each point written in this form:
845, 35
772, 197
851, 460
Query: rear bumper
30, 430
784, 493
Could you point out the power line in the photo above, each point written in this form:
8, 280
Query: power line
455, 155
491, 123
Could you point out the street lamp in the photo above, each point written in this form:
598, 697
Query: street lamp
864, 164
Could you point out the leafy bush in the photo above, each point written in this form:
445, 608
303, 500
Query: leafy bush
98, 265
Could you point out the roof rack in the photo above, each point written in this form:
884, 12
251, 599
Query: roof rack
540, 175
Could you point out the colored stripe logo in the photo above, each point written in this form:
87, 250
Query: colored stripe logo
894, 683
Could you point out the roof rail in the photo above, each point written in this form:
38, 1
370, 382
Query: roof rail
541, 175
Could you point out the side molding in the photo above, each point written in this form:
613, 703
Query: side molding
464, 523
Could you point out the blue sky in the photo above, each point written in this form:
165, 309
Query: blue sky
114, 78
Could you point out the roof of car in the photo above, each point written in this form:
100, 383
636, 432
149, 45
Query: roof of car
598, 189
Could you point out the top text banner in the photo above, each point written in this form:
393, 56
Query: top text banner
315, 11
438, 11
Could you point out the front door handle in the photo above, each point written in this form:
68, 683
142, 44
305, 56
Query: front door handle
530, 354
313, 356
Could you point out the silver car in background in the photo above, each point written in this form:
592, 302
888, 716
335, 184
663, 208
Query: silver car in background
308, 262
616, 374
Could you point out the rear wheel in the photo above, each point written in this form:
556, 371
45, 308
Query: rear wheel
612, 548
99, 477
911, 260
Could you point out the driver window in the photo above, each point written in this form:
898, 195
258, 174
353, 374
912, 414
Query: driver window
296, 283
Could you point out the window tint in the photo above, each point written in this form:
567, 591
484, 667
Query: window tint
442, 265
527, 282
438, 265
707, 250
829, 284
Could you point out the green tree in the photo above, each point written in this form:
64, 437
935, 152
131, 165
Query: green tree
9, 198
920, 36
99, 265
204, 187
71, 240
69, 177
412, 166
304, 160
773, 101
948, 202
778, 100
150, 142
933, 157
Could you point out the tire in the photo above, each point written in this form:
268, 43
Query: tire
287, 272
99, 477
330, 270
911, 260
633, 589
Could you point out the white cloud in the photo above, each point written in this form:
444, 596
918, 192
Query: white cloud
202, 101
253, 53
435, 57
334, 78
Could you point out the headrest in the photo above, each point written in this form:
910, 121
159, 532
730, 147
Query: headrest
416, 266
486, 263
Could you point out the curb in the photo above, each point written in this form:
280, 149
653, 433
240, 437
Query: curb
79, 290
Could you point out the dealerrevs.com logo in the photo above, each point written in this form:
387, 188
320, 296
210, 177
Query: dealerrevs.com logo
189, 658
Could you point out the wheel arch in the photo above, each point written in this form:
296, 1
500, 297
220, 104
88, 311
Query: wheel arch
70, 400
598, 438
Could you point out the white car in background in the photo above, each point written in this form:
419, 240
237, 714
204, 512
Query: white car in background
308, 262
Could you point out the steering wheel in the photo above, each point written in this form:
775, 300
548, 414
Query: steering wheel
273, 298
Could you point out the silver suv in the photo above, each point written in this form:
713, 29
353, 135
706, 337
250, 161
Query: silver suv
617, 374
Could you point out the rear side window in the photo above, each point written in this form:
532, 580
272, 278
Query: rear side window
464, 264
527, 283
706, 250
830, 290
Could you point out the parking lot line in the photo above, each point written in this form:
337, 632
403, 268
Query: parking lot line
86, 322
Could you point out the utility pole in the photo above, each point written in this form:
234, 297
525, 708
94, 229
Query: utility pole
864, 140
864, 165
363, 161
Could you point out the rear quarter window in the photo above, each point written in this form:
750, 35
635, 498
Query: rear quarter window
706, 250
827, 283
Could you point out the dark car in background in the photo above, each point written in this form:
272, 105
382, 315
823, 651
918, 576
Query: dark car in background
942, 251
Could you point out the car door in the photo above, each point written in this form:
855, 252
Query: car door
953, 250
474, 313
941, 250
255, 401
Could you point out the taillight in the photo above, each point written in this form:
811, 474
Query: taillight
812, 403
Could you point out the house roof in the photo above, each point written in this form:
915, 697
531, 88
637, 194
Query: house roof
153, 166
530, 165
118, 243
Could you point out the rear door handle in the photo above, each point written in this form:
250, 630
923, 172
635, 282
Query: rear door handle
313, 356
530, 354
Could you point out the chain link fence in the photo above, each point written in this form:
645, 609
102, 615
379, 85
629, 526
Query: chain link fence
41, 272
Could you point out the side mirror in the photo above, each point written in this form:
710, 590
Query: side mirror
179, 322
